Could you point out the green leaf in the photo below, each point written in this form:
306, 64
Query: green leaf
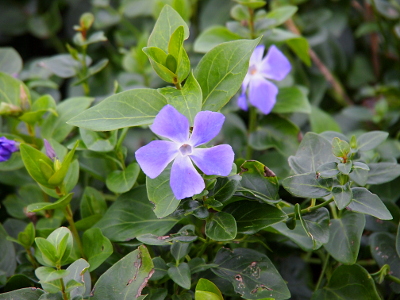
168, 21
60, 203
160, 269
206, 290
367, 203
78, 272
27, 237
180, 275
221, 71
212, 37
314, 151
55, 127
225, 187
62, 240
360, 173
63, 65
126, 278
92, 203
253, 216
48, 251
32, 159
307, 185
291, 99
253, 4
160, 194
259, 178
382, 172
97, 142
8, 258
345, 236
162, 63
42, 105
281, 14
130, 108
348, 282
251, 273
342, 194
12, 91
188, 100
97, 247
122, 181
340, 148
345, 168
221, 227
316, 224
47, 274
10, 61
328, 170
321, 121
131, 215
371, 140
179, 249
383, 250
23, 294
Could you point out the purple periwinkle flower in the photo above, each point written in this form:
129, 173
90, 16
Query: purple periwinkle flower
49, 150
185, 181
7, 147
262, 92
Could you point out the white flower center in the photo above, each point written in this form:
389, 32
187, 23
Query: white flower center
252, 69
186, 149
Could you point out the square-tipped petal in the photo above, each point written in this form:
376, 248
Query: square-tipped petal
155, 157
262, 94
275, 65
257, 55
207, 125
171, 124
185, 180
214, 161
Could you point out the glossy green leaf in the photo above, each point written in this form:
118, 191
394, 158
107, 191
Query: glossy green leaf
23, 294
160, 269
382, 172
345, 237
180, 275
314, 151
62, 239
131, 215
251, 273
47, 274
8, 258
48, 251
126, 278
371, 140
92, 203
188, 100
212, 37
160, 194
162, 63
291, 99
253, 216
360, 173
328, 170
342, 194
55, 127
340, 148
42, 105
121, 110
219, 77
79, 273
122, 181
383, 250
168, 21
348, 282
316, 224
179, 249
281, 14
60, 203
10, 61
221, 227
96, 142
307, 185
206, 290
97, 247
27, 237
225, 187
345, 168
367, 203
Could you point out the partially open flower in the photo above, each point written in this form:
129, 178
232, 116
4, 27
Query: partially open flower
7, 147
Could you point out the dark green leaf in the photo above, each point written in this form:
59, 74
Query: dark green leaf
221, 227
251, 273
367, 203
121, 110
60, 203
181, 275
328, 170
345, 168
297, 235
360, 173
126, 278
316, 224
79, 273
382, 172
342, 194
23, 294
213, 36
291, 99
131, 215
348, 282
97, 247
225, 187
371, 140
92, 203
179, 250
253, 216
122, 181
307, 185
345, 236
222, 70
160, 269
8, 258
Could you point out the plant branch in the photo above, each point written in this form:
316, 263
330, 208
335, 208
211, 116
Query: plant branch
310, 208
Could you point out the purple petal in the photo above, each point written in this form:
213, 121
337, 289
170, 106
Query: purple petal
257, 55
207, 125
275, 65
155, 157
262, 94
7, 144
49, 150
242, 101
185, 180
214, 161
171, 124
5, 155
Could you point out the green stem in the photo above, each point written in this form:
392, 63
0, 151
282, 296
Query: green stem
251, 129
321, 276
204, 247
32, 258
311, 208
251, 23
393, 278
333, 211
69, 216
65, 296
177, 85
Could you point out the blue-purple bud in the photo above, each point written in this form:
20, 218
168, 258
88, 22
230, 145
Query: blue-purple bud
7, 147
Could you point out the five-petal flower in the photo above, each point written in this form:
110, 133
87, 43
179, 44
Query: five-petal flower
7, 147
262, 93
185, 181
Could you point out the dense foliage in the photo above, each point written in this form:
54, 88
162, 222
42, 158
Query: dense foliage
199, 149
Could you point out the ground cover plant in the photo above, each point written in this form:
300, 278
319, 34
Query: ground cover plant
199, 149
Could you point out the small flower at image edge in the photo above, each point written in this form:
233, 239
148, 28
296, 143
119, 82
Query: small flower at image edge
185, 181
262, 92
7, 147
